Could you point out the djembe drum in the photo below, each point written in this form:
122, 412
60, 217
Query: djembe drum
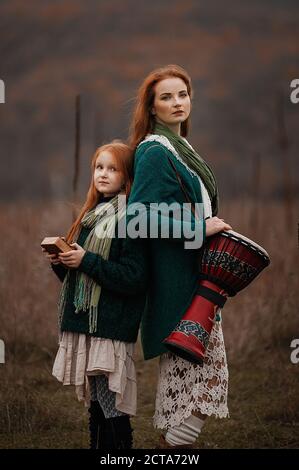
229, 263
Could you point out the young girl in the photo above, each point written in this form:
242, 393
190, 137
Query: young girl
102, 298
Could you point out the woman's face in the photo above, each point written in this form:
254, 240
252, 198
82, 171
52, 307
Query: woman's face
108, 179
172, 103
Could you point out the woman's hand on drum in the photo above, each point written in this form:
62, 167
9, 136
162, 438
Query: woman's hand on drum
215, 225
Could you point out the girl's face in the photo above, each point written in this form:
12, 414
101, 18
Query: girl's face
172, 103
108, 179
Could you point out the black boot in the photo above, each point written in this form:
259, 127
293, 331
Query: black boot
96, 425
118, 433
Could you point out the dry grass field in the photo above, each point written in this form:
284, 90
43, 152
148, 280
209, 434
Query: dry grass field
259, 324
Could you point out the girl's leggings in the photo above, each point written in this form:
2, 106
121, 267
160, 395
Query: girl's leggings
99, 391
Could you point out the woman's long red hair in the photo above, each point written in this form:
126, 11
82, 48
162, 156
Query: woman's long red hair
143, 121
124, 157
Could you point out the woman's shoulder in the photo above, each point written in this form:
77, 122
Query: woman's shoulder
151, 149
149, 146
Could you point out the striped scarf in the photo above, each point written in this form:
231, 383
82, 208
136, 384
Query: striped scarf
101, 220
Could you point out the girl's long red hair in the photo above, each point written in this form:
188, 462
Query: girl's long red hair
143, 121
124, 157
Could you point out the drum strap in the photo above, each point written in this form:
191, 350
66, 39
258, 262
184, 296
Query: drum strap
211, 295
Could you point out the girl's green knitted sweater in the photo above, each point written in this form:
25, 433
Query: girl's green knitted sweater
124, 282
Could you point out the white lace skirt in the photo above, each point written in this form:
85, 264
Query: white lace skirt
184, 387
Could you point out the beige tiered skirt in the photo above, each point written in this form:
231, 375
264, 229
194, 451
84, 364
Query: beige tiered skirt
80, 356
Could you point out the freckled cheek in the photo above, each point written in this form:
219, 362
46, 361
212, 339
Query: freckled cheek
163, 108
117, 180
187, 105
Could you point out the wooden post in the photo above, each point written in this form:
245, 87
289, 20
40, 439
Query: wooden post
284, 145
77, 152
256, 186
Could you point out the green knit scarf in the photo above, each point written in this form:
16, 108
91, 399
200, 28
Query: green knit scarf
102, 221
193, 161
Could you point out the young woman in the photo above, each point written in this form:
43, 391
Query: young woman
186, 393
101, 302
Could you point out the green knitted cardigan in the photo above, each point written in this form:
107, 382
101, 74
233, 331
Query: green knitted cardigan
124, 280
173, 270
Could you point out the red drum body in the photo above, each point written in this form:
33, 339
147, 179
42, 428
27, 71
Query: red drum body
232, 261
229, 263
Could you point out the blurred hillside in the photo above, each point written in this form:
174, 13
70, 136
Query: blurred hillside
240, 55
